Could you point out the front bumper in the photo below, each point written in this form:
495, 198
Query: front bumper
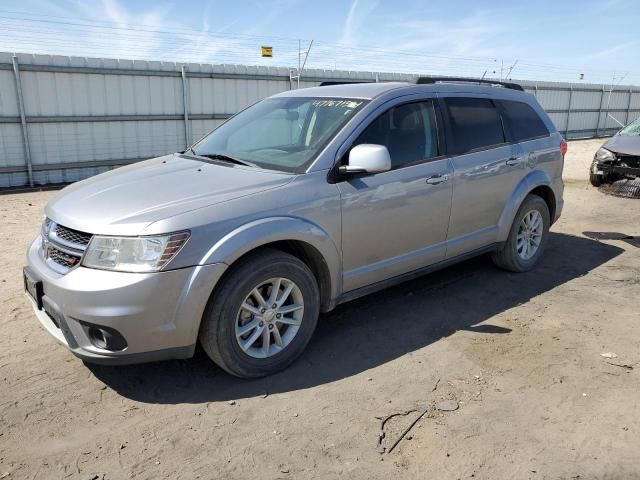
609, 168
158, 314
616, 167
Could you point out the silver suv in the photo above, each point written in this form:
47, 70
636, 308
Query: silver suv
305, 200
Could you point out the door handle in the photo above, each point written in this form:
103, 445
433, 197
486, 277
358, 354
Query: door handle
438, 179
513, 161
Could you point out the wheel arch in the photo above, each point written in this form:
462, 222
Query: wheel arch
298, 237
537, 183
546, 193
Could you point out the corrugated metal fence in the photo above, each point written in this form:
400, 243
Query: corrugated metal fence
67, 118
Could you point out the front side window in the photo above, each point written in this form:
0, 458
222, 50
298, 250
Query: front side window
408, 131
475, 124
523, 121
280, 133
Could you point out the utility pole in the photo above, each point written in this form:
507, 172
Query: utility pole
298, 64
300, 67
613, 83
511, 69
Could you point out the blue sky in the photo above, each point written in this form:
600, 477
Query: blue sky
550, 40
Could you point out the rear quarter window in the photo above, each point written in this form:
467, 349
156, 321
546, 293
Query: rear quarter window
475, 124
523, 121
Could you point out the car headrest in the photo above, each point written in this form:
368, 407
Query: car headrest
407, 117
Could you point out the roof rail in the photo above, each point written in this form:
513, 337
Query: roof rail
430, 80
340, 82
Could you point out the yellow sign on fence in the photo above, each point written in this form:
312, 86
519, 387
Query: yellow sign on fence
267, 51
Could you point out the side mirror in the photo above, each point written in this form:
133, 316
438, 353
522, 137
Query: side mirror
367, 158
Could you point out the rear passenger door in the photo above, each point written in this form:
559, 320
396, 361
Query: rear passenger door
487, 167
536, 146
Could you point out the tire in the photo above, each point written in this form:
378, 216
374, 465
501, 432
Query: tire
596, 179
509, 257
224, 316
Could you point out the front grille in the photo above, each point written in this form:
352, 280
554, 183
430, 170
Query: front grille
63, 247
62, 258
631, 161
73, 236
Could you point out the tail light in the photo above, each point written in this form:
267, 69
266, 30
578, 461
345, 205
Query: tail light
563, 147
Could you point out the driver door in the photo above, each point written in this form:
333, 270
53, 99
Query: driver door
396, 221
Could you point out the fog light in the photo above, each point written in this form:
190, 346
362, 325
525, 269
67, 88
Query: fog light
98, 337
105, 338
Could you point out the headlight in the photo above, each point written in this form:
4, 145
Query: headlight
133, 254
604, 155
46, 223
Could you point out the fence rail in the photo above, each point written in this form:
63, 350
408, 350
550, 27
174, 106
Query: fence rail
67, 118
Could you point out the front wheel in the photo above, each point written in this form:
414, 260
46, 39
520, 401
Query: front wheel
262, 315
527, 237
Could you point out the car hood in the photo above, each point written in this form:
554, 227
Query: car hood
624, 144
126, 200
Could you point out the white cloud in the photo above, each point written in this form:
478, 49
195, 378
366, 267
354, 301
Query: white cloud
357, 15
465, 37
614, 49
347, 33
110, 28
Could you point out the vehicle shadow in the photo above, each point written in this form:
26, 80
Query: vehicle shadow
376, 329
630, 239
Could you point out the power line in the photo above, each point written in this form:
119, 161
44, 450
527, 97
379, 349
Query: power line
181, 31
87, 37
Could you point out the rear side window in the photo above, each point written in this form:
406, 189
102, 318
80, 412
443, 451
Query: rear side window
523, 121
475, 124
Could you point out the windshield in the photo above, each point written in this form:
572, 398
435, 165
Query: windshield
632, 129
280, 133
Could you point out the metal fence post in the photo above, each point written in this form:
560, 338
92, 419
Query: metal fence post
185, 102
23, 120
566, 130
626, 122
599, 112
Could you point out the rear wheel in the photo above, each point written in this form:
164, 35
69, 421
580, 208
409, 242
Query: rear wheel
262, 315
596, 179
527, 237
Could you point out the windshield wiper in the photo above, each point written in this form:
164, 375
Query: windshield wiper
222, 158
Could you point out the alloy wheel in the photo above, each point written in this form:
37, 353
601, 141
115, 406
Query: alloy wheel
529, 234
269, 318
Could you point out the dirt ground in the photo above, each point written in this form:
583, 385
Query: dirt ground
519, 353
